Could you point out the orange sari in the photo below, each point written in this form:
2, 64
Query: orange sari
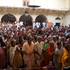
29, 57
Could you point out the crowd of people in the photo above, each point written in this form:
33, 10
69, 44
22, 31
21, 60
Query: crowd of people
32, 48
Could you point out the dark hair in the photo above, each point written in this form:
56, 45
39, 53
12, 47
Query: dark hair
2, 44
29, 39
12, 43
51, 44
59, 43
67, 47
20, 41
55, 38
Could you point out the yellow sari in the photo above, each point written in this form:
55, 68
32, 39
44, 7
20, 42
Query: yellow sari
65, 59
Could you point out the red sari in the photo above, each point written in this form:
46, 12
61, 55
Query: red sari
50, 53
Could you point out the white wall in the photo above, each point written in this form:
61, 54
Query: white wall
50, 4
67, 20
68, 4
11, 3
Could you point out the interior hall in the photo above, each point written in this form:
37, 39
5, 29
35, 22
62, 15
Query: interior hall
34, 34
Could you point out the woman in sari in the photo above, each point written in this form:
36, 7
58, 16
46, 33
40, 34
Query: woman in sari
51, 50
28, 47
66, 58
11, 52
18, 60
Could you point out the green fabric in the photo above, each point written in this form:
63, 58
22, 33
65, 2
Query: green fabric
46, 46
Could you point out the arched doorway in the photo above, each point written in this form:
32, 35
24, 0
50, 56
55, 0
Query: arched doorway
8, 18
26, 19
41, 22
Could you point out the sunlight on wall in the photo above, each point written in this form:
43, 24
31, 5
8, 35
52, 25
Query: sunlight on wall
49, 4
67, 20
11, 3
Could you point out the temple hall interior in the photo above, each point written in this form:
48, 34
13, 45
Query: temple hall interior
34, 34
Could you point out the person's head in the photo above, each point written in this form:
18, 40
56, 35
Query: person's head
29, 39
20, 41
59, 44
55, 38
51, 44
39, 39
13, 43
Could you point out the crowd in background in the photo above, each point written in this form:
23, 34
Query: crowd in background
34, 47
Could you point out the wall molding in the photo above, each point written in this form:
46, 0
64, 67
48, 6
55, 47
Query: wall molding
4, 10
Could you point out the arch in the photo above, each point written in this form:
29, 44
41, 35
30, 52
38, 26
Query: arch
8, 18
41, 22
57, 18
41, 18
57, 21
26, 19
